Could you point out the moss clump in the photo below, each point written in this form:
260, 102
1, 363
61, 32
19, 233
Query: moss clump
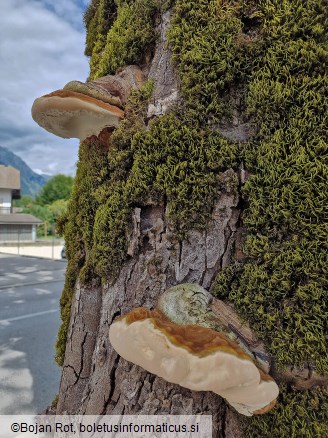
55, 401
77, 227
98, 18
298, 414
204, 54
129, 39
277, 52
282, 289
170, 160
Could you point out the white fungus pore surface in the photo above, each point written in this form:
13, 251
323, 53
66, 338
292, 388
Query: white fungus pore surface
236, 379
147, 346
71, 117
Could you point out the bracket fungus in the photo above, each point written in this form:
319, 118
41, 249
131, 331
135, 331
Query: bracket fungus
81, 110
194, 357
189, 303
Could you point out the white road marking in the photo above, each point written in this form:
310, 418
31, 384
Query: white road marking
30, 315
10, 286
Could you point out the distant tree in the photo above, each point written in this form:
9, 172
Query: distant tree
49, 204
24, 202
58, 207
58, 187
41, 212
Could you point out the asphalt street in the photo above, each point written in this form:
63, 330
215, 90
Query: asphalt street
30, 290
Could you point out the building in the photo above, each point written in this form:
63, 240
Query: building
9, 188
14, 227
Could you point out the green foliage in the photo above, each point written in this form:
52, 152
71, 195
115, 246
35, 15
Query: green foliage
49, 204
24, 202
40, 211
58, 208
58, 187
298, 414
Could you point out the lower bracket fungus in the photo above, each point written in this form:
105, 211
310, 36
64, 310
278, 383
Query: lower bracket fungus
194, 357
82, 110
189, 303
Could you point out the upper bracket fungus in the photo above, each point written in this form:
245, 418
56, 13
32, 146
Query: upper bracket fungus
194, 357
82, 110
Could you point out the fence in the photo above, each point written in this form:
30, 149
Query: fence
51, 248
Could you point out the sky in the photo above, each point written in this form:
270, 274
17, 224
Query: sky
41, 49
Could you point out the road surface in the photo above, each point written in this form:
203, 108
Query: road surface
30, 289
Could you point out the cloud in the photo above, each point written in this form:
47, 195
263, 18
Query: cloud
41, 49
69, 11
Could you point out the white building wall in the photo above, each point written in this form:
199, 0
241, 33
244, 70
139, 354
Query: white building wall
5, 200
34, 233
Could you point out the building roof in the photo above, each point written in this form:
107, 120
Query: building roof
9, 178
19, 218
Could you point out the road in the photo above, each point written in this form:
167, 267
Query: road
30, 289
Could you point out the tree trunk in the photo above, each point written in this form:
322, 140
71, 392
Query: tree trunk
95, 379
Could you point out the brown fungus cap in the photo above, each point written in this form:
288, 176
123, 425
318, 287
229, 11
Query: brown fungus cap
113, 89
198, 340
194, 357
69, 114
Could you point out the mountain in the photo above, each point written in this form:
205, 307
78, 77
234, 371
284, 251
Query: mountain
31, 182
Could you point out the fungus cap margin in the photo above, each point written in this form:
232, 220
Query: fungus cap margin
69, 114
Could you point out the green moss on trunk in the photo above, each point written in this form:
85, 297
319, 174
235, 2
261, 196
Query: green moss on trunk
297, 414
78, 227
